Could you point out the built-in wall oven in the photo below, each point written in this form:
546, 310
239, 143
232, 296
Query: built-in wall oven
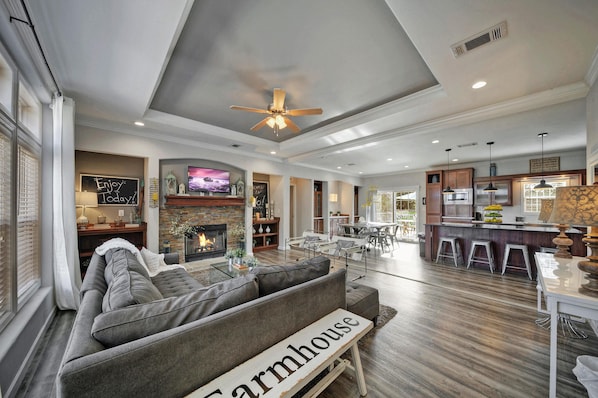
463, 196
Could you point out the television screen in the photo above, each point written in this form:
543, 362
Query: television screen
203, 179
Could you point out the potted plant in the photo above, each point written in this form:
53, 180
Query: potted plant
237, 231
251, 262
229, 255
238, 254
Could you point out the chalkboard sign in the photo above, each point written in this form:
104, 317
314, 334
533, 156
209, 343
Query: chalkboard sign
112, 191
260, 193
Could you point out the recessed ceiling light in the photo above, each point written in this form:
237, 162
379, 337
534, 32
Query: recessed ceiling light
361, 172
389, 159
272, 152
435, 141
139, 123
479, 84
455, 160
406, 166
339, 167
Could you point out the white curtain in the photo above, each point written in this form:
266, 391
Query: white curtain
67, 274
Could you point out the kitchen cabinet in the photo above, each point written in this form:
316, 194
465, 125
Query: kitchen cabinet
434, 197
502, 196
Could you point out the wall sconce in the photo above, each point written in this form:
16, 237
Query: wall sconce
333, 197
85, 199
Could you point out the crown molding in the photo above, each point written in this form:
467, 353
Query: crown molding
538, 100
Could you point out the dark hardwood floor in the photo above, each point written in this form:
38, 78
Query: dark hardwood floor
457, 332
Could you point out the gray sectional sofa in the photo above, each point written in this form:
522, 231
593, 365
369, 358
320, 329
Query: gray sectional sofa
167, 335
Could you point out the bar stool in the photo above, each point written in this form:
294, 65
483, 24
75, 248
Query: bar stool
524, 251
489, 259
455, 252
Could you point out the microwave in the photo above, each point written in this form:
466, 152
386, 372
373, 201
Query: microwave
463, 196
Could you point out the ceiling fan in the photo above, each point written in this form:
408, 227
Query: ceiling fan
278, 113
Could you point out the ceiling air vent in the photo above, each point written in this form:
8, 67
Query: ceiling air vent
489, 35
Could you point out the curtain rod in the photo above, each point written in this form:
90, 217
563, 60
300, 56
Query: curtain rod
39, 45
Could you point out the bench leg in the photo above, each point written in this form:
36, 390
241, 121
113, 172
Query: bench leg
358, 370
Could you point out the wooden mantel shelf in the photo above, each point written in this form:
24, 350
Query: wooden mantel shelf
176, 200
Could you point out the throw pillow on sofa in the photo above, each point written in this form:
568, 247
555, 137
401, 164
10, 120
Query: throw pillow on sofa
152, 260
278, 277
128, 288
136, 321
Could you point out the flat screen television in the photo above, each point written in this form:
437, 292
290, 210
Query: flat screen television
202, 179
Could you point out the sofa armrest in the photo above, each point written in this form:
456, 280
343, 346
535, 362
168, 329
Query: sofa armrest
171, 258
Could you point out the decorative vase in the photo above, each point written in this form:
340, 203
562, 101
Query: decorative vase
268, 229
261, 230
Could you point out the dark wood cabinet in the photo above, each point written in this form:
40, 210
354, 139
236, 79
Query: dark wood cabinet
265, 235
460, 178
90, 238
434, 197
502, 196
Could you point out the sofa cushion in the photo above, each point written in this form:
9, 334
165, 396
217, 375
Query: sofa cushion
131, 323
120, 260
175, 282
128, 288
362, 300
278, 277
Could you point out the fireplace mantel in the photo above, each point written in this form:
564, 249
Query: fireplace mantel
178, 200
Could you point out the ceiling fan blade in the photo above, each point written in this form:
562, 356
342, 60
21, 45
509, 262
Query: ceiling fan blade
260, 124
278, 101
248, 109
303, 112
291, 124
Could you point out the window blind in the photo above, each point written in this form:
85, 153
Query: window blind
5, 191
28, 223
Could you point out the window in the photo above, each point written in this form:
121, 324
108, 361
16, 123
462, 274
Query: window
20, 214
5, 212
28, 219
531, 197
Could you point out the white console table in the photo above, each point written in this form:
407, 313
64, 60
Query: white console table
561, 282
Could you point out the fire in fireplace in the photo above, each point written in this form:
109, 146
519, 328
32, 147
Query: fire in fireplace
208, 242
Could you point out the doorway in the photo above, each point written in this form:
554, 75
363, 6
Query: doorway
398, 207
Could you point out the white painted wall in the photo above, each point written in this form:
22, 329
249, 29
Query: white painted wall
97, 140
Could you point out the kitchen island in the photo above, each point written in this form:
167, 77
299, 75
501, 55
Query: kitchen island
534, 236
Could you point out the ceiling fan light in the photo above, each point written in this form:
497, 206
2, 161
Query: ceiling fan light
280, 121
271, 122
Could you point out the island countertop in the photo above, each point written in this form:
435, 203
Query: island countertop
511, 226
535, 236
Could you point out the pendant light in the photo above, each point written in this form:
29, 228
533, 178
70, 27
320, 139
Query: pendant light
490, 187
448, 189
542, 184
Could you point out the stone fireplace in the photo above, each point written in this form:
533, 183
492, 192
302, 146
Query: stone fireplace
204, 211
209, 242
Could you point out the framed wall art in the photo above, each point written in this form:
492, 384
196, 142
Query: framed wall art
261, 194
112, 190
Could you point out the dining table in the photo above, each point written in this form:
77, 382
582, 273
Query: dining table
371, 229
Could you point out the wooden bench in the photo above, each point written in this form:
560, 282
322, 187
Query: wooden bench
288, 366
